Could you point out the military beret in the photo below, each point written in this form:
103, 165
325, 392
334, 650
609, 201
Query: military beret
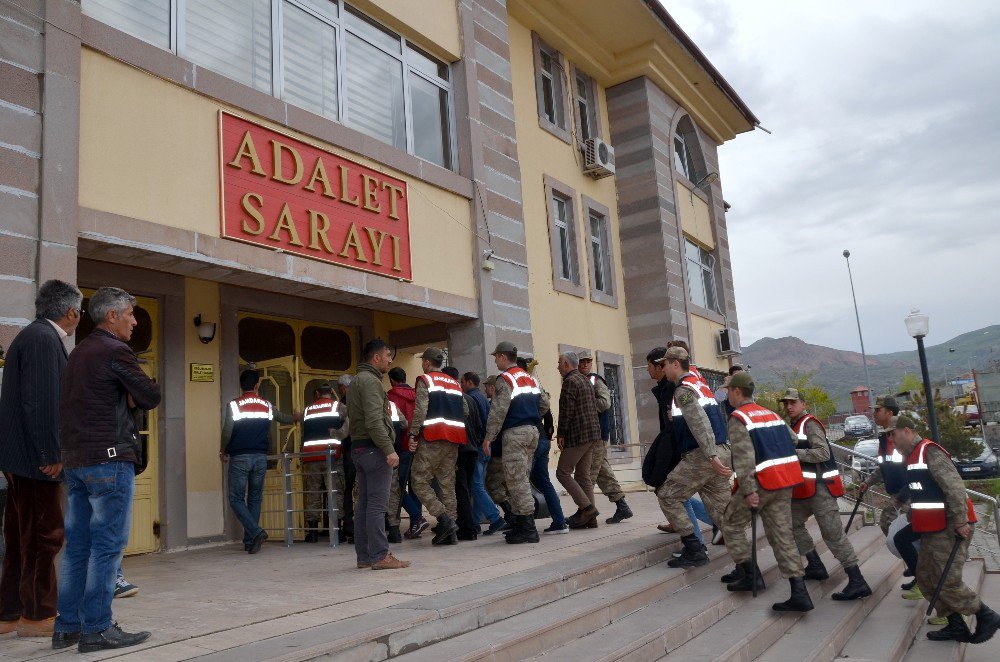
741, 379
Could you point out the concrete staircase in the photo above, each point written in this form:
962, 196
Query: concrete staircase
624, 603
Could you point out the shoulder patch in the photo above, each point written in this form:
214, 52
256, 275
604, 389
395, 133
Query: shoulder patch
685, 396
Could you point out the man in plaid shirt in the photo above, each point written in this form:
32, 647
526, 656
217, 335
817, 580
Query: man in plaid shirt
579, 429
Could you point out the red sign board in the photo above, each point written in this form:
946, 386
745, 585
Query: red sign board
285, 194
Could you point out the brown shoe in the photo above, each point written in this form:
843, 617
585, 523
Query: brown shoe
29, 628
666, 528
6, 627
362, 564
390, 562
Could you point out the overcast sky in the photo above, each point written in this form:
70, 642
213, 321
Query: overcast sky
886, 141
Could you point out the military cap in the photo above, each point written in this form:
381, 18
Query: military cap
435, 354
585, 355
887, 401
892, 423
741, 379
491, 380
505, 347
790, 394
678, 353
904, 422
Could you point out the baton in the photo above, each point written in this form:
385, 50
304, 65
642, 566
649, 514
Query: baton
944, 574
857, 504
753, 551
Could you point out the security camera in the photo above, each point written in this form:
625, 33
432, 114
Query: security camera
488, 253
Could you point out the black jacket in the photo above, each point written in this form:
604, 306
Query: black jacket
101, 373
663, 455
29, 402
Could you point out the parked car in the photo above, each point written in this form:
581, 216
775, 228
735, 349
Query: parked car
858, 426
984, 465
970, 413
862, 466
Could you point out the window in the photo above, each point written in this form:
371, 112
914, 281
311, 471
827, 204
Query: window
688, 158
585, 106
549, 87
613, 378
599, 253
682, 158
320, 55
701, 276
563, 237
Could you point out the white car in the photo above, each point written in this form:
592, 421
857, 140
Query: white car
868, 447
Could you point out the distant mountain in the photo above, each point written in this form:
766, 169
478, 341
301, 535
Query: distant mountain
839, 371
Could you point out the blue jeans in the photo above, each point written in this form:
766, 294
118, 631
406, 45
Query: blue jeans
540, 478
696, 511
98, 519
411, 504
482, 504
246, 491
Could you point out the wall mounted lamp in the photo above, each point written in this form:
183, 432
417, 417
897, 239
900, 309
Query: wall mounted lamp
206, 330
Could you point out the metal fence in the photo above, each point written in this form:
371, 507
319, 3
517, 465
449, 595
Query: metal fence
289, 465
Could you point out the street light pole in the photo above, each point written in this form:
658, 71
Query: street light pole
918, 326
857, 317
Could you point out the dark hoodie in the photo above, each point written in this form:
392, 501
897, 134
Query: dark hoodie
404, 397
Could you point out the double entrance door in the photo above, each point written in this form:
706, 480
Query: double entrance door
294, 357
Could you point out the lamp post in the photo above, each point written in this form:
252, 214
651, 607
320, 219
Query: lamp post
864, 357
917, 325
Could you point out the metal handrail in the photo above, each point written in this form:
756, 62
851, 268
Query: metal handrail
333, 513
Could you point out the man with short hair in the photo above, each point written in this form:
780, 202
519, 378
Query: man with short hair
890, 464
320, 420
600, 469
403, 396
246, 440
436, 432
511, 437
942, 513
482, 504
576, 434
102, 386
465, 464
374, 457
817, 496
31, 462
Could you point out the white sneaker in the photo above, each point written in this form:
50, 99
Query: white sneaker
553, 530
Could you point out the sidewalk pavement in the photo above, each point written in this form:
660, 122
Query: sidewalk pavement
206, 600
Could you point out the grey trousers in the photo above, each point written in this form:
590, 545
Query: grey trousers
374, 477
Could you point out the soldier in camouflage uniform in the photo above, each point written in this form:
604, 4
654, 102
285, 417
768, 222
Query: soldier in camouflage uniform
891, 468
942, 513
774, 506
511, 437
817, 496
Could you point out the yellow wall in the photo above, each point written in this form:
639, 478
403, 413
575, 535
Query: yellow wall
558, 318
202, 415
149, 150
706, 351
431, 24
695, 218
405, 358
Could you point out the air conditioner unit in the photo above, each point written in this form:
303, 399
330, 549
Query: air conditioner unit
729, 342
598, 158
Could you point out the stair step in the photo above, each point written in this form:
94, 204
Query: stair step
669, 623
753, 628
822, 633
989, 651
925, 650
887, 632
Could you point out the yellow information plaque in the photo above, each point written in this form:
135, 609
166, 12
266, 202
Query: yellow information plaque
202, 372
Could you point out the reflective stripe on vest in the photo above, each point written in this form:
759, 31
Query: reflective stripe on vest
251, 407
445, 420
525, 399
777, 465
319, 409
927, 507
892, 465
682, 433
317, 419
826, 472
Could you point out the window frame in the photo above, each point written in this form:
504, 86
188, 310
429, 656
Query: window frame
593, 109
703, 269
609, 295
553, 188
622, 453
559, 129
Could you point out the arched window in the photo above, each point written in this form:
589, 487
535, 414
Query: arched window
688, 158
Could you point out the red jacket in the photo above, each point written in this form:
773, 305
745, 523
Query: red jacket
404, 397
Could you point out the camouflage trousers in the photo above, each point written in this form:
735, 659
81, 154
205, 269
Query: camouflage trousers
775, 511
509, 474
395, 498
314, 477
602, 473
694, 474
824, 507
889, 515
955, 596
435, 459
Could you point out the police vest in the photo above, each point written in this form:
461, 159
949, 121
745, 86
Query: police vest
317, 420
682, 433
927, 508
525, 399
252, 416
892, 464
604, 417
777, 464
824, 472
445, 420
397, 423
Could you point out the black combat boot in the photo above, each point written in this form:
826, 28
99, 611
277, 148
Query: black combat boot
856, 588
799, 601
508, 514
622, 511
987, 623
815, 568
956, 630
524, 530
734, 576
908, 586
446, 530
744, 583
393, 534
312, 532
692, 555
